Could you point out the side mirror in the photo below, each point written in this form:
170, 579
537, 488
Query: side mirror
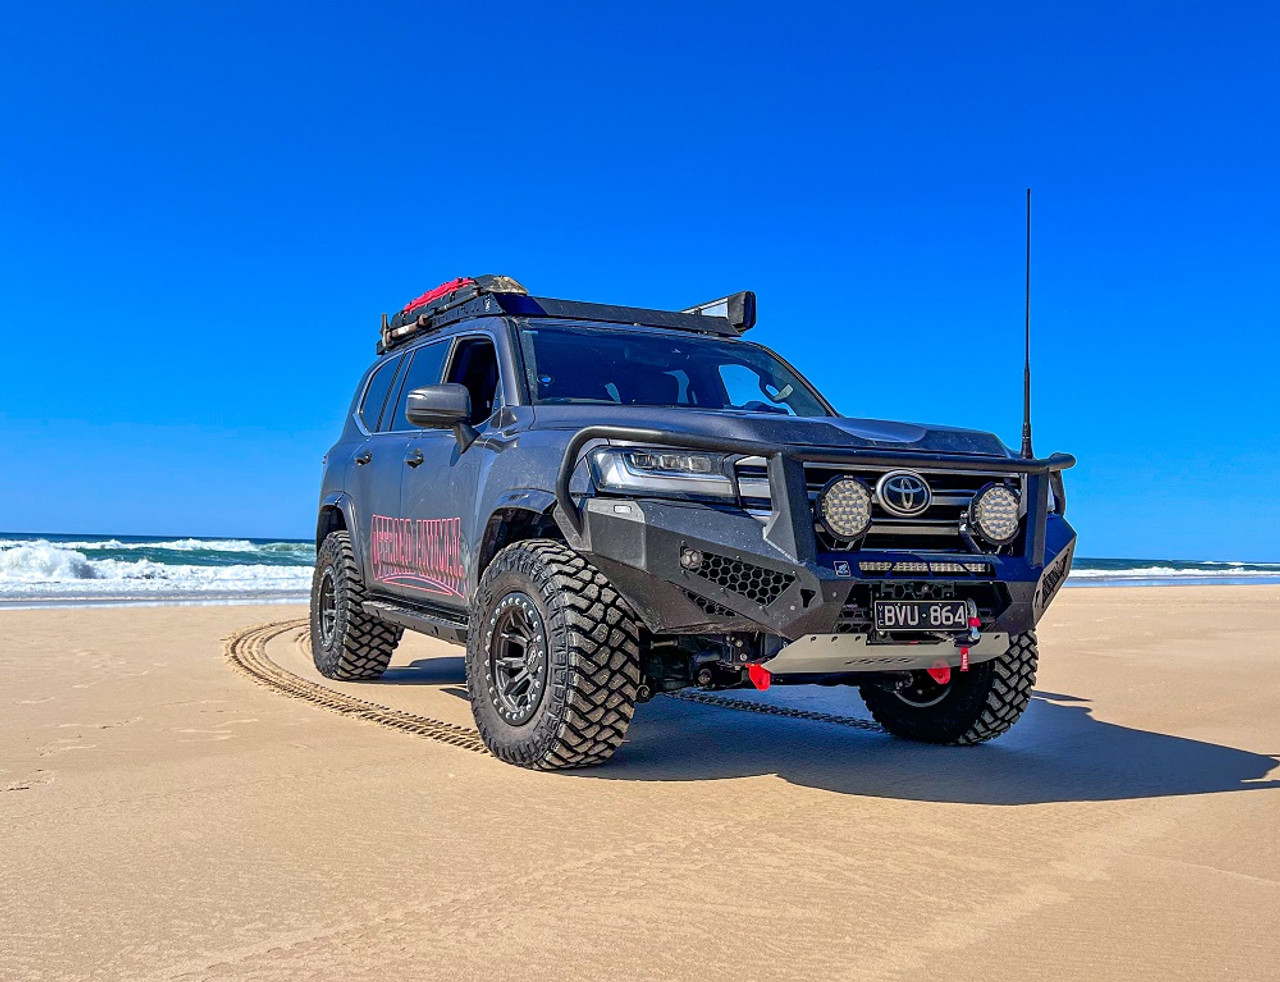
438, 406
441, 406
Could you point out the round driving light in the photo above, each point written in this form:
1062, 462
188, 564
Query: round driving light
844, 506
995, 513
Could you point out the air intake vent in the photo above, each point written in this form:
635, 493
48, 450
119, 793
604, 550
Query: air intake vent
709, 606
757, 584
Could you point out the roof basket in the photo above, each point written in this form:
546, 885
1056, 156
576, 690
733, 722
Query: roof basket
468, 297
418, 313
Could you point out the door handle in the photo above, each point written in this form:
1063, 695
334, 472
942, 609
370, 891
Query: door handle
364, 458
415, 458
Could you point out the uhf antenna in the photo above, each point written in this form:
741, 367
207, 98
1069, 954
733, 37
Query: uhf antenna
1026, 368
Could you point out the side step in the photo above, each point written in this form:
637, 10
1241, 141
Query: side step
434, 622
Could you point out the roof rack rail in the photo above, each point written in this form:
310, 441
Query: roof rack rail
466, 297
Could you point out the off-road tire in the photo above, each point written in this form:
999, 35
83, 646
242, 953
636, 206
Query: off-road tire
591, 658
358, 646
978, 705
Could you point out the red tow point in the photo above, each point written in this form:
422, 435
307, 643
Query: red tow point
940, 673
759, 676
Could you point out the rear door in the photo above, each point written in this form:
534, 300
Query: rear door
373, 477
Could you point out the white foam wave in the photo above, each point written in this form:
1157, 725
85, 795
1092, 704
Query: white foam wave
1234, 570
36, 561
176, 545
42, 568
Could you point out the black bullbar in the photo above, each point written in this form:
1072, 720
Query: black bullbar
787, 480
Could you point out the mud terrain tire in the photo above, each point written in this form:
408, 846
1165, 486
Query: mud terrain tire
553, 659
973, 707
346, 643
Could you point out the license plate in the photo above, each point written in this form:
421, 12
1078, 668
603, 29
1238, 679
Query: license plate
922, 615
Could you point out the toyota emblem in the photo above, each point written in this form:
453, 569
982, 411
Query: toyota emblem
903, 493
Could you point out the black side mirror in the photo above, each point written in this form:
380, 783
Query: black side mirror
441, 406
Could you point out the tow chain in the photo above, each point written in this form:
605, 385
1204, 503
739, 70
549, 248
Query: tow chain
246, 650
708, 699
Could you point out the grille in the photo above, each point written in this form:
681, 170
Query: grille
938, 529
753, 482
757, 584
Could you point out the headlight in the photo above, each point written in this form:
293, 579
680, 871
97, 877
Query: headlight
844, 507
673, 473
994, 511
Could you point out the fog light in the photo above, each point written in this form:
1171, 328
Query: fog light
994, 512
690, 559
844, 507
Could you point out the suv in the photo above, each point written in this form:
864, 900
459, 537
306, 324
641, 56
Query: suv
603, 503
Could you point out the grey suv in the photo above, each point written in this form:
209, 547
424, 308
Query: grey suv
603, 503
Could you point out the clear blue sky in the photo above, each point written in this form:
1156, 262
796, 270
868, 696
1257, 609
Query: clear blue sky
206, 207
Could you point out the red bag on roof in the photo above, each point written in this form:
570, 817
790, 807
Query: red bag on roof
437, 292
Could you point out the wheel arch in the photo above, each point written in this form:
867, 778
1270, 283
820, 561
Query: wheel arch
337, 514
512, 521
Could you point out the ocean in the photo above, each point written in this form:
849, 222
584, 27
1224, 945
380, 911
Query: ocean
39, 570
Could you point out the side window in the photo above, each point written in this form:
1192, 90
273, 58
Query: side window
375, 395
476, 366
425, 369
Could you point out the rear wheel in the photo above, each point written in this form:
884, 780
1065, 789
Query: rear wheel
346, 643
553, 659
972, 707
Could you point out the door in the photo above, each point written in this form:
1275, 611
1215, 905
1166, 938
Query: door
374, 474
404, 553
438, 487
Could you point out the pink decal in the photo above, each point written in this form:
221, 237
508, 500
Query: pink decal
422, 553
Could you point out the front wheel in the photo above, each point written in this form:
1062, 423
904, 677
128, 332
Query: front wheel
973, 707
553, 659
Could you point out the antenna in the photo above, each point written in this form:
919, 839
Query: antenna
1026, 368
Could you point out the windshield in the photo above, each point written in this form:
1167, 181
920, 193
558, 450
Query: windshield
585, 366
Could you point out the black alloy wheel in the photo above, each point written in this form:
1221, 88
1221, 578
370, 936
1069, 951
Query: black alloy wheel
517, 675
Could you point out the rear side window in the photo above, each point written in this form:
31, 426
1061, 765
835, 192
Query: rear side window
375, 395
425, 369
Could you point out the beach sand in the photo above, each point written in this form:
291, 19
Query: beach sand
163, 816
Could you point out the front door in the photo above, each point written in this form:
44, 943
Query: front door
439, 482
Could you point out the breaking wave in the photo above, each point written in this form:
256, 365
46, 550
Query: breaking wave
1124, 570
112, 568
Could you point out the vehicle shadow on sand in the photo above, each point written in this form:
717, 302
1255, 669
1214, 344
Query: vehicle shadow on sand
1058, 752
427, 671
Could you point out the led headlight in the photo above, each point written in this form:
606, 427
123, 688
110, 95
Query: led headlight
671, 473
994, 511
844, 507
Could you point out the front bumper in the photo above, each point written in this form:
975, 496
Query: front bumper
771, 578
745, 582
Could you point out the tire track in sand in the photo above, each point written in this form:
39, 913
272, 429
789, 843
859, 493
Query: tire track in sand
246, 650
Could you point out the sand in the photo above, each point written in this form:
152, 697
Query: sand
164, 817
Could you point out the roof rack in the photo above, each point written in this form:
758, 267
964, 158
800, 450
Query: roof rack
467, 297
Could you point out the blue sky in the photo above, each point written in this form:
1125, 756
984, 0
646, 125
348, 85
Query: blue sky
207, 206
